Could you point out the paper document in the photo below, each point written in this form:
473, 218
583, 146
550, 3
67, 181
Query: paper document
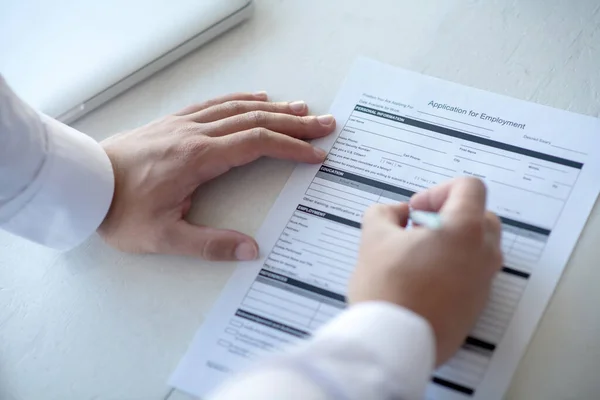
398, 133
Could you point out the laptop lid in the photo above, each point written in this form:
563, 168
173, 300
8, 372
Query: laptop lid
57, 55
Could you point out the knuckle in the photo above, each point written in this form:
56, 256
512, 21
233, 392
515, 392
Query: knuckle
302, 121
257, 118
234, 107
215, 249
260, 134
208, 252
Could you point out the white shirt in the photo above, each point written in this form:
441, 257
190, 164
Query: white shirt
56, 186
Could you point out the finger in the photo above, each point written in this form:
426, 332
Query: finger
194, 108
247, 146
457, 199
493, 229
431, 199
237, 107
211, 244
379, 214
295, 126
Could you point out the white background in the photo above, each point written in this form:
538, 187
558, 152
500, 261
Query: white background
97, 324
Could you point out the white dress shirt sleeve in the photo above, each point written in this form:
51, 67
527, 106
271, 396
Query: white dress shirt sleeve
56, 184
371, 351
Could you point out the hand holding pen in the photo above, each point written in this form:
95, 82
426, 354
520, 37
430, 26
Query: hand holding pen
441, 270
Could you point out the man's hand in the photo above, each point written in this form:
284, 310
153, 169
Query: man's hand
158, 166
443, 275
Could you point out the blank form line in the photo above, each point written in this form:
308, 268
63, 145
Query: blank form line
281, 298
563, 184
276, 306
323, 248
439, 166
338, 204
402, 129
342, 232
490, 152
272, 314
338, 197
524, 249
409, 165
327, 279
341, 247
322, 313
553, 169
481, 162
343, 191
335, 267
496, 308
398, 140
337, 238
526, 190
571, 150
322, 255
345, 277
535, 176
460, 122
507, 288
466, 367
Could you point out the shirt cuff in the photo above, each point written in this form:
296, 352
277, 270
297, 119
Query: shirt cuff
398, 340
71, 194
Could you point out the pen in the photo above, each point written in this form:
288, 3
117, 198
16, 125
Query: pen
427, 219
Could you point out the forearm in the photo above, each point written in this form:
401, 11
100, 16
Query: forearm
372, 351
56, 184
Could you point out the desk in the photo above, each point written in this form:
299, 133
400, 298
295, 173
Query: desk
97, 324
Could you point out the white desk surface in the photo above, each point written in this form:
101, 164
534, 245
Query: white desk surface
97, 324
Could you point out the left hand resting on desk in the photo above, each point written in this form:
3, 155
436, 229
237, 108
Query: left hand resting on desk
158, 166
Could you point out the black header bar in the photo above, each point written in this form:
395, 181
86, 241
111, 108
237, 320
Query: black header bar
272, 324
302, 285
366, 181
482, 344
453, 386
328, 216
515, 272
523, 225
469, 137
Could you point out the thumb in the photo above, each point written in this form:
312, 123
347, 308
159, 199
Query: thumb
212, 244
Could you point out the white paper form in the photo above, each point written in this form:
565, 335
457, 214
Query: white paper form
399, 133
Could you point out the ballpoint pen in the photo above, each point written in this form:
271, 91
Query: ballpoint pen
427, 219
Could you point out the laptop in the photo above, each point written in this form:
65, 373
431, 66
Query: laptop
67, 57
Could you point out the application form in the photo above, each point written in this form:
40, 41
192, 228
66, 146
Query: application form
398, 133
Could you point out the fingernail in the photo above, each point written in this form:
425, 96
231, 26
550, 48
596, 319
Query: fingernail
325, 119
298, 106
320, 153
246, 252
262, 94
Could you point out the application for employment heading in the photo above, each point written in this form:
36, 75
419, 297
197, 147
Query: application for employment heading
398, 133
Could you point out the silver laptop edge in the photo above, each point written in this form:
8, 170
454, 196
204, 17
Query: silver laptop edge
157, 64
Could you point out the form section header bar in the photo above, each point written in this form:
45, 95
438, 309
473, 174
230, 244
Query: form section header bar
302, 285
366, 181
469, 137
328, 216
